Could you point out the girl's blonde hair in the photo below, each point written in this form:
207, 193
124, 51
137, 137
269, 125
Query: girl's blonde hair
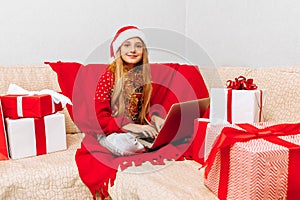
118, 95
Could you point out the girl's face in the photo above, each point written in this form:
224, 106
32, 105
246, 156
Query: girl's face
132, 51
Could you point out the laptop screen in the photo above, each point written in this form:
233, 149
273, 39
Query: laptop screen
179, 123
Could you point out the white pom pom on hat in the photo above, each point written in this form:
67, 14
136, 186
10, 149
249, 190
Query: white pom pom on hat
124, 34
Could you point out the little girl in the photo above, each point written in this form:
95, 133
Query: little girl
122, 98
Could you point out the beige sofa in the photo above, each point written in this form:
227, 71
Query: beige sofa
55, 175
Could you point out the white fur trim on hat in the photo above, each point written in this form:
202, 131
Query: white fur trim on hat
125, 35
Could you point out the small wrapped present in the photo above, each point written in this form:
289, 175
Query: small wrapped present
255, 162
3, 140
197, 146
36, 136
240, 102
18, 106
18, 103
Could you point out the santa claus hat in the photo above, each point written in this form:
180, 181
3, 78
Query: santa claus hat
124, 34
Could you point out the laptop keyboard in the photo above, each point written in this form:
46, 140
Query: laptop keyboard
148, 139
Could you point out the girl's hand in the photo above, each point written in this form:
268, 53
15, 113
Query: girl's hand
158, 122
139, 130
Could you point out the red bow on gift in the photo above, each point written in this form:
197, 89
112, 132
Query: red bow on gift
241, 83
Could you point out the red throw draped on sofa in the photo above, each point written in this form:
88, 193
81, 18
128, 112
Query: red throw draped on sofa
172, 83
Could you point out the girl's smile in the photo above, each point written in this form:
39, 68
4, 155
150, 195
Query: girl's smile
132, 51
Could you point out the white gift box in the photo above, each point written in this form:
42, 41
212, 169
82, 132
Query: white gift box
242, 106
36, 136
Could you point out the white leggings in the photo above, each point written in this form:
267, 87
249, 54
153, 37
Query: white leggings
121, 144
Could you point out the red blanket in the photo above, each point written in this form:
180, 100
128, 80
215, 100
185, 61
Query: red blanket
172, 83
97, 166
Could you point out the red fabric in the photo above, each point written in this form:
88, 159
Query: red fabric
229, 136
78, 82
3, 144
172, 83
83, 97
97, 166
108, 123
32, 106
196, 150
66, 75
40, 136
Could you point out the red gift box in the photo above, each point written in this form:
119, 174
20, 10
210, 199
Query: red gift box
255, 162
18, 106
196, 149
3, 141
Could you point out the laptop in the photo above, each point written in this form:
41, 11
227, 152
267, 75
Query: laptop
179, 123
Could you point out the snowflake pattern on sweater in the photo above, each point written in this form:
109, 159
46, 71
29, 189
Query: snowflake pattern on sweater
105, 86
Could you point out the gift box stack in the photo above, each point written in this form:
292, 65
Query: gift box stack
246, 158
33, 124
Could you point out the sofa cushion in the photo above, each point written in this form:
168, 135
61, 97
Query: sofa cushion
48, 176
282, 86
175, 180
28, 77
33, 78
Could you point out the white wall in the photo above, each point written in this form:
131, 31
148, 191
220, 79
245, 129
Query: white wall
233, 32
250, 33
34, 31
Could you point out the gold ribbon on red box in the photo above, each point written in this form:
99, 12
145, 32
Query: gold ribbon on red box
230, 136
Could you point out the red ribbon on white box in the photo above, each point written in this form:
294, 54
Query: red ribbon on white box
229, 105
40, 136
240, 83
